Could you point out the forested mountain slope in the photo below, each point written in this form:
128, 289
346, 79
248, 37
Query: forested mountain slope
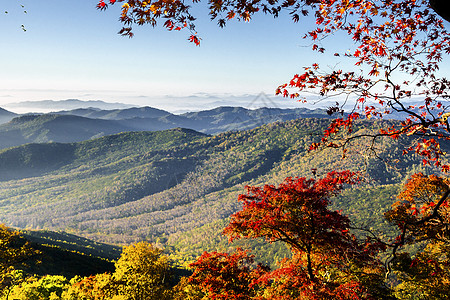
176, 186
55, 128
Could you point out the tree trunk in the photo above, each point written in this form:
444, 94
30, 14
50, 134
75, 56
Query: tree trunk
309, 263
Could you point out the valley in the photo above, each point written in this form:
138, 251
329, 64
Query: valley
178, 187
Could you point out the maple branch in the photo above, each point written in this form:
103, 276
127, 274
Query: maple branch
402, 107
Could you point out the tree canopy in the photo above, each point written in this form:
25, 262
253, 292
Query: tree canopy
327, 261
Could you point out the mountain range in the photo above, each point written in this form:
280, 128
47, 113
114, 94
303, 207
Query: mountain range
128, 174
89, 123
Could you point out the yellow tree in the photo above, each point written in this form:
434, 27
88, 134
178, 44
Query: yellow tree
142, 272
423, 216
49, 287
14, 252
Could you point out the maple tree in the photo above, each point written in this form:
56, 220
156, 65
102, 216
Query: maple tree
226, 276
325, 255
423, 208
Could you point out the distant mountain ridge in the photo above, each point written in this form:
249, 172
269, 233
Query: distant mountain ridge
87, 123
116, 114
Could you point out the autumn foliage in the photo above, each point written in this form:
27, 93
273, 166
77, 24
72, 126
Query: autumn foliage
423, 207
327, 260
399, 46
227, 276
325, 256
423, 217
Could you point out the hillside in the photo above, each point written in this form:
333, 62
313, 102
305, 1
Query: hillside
174, 187
54, 128
57, 253
88, 123
60, 261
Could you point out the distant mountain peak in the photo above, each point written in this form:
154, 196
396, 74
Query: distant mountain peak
4, 112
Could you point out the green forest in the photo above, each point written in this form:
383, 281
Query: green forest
174, 185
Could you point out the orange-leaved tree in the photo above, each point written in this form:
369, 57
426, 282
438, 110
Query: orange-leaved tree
423, 216
226, 275
327, 260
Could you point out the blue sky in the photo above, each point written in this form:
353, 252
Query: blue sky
72, 50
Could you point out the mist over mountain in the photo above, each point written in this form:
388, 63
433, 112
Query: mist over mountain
54, 105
